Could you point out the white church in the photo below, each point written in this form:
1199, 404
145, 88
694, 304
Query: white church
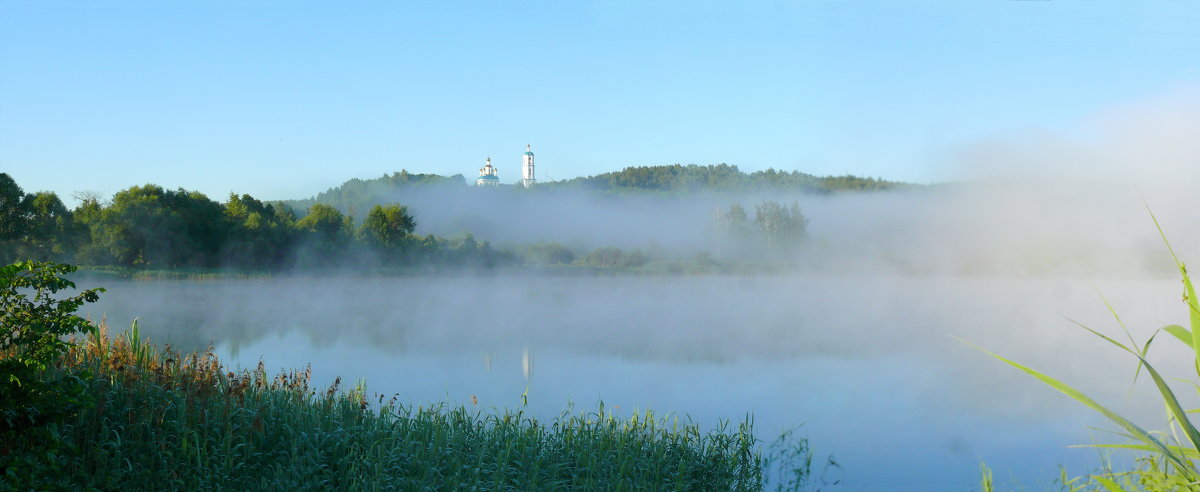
488, 174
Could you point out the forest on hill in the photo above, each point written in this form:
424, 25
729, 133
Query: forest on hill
374, 222
678, 178
151, 227
356, 196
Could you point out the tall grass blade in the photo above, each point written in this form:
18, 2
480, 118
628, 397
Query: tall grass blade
1189, 292
1133, 429
1173, 406
1179, 332
1186, 452
1108, 483
985, 480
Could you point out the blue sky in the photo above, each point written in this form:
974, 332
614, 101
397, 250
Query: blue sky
285, 99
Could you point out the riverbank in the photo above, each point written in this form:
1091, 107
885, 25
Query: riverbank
655, 268
152, 418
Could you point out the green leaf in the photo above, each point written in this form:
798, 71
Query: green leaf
1179, 332
1189, 291
1133, 429
1108, 483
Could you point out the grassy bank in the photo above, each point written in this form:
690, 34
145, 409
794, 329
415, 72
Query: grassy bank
152, 418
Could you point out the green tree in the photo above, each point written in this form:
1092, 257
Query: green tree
258, 236
33, 322
732, 224
51, 233
549, 254
87, 217
387, 227
15, 214
780, 227
147, 225
610, 257
324, 234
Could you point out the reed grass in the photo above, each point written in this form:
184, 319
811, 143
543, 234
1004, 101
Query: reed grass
1167, 460
161, 420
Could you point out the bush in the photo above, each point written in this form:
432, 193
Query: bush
35, 393
610, 257
549, 254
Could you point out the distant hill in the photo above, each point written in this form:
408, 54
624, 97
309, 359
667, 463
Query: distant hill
721, 177
356, 196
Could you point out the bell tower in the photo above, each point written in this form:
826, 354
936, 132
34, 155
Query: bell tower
527, 179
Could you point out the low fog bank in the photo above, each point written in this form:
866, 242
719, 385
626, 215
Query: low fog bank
1031, 203
1011, 227
1083, 226
874, 321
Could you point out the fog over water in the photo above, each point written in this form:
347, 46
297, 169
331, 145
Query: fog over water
856, 345
865, 362
855, 342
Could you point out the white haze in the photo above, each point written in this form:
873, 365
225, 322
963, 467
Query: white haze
1025, 205
857, 342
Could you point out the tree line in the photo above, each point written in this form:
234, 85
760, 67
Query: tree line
357, 195
152, 227
775, 229
679, 178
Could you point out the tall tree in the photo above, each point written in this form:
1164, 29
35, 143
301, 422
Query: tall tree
51, 234
258, 237
324, 234
15, 209
147, 225
387, 227
780, 227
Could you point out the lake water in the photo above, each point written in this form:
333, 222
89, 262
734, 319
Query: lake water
865, 365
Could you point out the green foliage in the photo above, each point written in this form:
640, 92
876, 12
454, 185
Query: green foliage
361, 194
776, 228
387, 227
170, 421
35, 393
781, 227
259, 236
34, 225
721, 177
33, 320
549, 254
1171, 462
610, 257
150, 226
15, 210
732, 223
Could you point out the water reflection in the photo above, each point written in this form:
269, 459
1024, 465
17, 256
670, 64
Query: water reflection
864, 363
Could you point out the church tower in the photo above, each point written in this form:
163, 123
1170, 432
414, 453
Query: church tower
488, 175
527, 179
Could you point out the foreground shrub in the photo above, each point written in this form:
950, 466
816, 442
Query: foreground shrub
36, 393
132, 416
165, 420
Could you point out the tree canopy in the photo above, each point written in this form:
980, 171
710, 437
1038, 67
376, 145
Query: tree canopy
151, 227
679, 178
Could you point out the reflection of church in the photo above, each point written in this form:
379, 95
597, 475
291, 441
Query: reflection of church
488, 175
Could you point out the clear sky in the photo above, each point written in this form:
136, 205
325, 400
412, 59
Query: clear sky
285, 99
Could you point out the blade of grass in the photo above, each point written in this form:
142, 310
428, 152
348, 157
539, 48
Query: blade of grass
1108, 483
1134, 430
1187, 452
1189, 292
1169, 398
1179, 332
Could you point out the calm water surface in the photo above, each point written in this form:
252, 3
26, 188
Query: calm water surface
865, 365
